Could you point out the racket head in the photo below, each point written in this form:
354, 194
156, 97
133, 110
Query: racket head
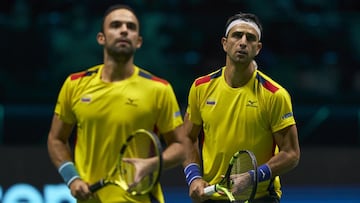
239, 166
242, 162
141, 144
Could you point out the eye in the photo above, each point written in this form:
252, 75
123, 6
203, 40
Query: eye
131, 26
115, 24
250, 37
237, 35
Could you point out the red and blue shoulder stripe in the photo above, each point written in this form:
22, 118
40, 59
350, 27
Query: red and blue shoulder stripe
152, 77
208, 78
78, 75
266, 84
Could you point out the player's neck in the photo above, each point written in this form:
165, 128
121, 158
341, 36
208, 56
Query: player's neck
239, 75
116, 71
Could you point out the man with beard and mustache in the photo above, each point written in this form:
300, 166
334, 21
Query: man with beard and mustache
238, 107
106, 103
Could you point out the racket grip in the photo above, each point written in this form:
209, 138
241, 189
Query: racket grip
210, 190
95, 187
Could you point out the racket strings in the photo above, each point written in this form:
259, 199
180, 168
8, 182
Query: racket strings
141, 146
137, 149
242, 164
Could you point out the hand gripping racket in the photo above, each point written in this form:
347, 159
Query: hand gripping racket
237, 184
140, 147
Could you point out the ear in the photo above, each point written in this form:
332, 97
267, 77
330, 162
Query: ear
100, 37
259, 46
139, 42
223, 42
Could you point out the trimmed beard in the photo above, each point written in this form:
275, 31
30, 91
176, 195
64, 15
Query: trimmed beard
120, 53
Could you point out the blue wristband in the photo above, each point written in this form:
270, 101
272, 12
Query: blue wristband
68, 172
192, 172
264, 173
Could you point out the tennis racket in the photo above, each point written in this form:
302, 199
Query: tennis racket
140, 146
236, 184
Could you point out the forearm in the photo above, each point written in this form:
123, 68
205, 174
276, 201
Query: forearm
192, 164
289, 151
192, 131
173, 155
192, 154
283, 162
59, 151
58, 141
60, 155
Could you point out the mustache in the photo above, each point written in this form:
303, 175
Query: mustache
242, 51
123, 40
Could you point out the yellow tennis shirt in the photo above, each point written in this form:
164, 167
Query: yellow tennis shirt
238, 118
106, 113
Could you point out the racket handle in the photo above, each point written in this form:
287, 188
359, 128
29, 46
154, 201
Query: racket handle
95, 187
209, 190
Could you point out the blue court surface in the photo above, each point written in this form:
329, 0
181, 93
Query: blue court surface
293, 194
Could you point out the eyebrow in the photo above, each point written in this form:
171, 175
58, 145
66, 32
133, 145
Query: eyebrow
247, 34
131, 23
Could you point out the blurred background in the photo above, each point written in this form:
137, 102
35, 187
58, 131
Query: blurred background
311, 47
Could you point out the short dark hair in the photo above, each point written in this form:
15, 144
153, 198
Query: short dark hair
111, 9
248, 17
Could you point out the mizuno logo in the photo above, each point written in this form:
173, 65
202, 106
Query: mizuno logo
131, 102
252, 103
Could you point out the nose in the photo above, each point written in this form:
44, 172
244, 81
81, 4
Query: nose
123, 28
243, 38
243, 41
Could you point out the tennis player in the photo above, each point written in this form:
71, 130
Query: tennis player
106, 103
239, 107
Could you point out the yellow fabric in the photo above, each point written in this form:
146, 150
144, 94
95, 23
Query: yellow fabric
106, 113
238, 118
